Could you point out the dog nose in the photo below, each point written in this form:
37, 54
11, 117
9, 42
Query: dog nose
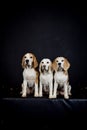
27, 61
59, 64
44, 65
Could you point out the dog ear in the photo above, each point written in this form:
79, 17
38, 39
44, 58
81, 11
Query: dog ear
54, 65
40, 67
51, 67
23, 64
35, 62
66, 64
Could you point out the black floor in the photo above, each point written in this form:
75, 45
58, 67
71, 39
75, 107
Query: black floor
42, 113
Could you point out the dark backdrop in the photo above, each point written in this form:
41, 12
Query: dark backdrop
47, 30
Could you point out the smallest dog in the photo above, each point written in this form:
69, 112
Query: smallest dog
46, 77
61, 77
30, 75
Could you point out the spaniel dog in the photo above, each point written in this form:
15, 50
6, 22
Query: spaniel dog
30, 75
46, 77
61, 77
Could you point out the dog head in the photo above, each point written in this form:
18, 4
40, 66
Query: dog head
61, 64
29, 60
45, 65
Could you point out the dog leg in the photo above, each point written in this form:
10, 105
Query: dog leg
69, 90
36, 90
66, 91
55, 90
40, 90
24, 88
50, 90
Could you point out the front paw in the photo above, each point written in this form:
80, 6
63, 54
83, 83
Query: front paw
40, 95
36, 95
23, 95
66, 96
70, 93
52, 96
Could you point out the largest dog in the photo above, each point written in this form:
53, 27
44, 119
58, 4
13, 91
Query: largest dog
30, 75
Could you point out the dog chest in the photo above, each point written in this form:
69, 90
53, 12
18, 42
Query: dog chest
46, 79
61, 77
29, 74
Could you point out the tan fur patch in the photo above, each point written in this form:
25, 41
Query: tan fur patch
66, 64
35, 61
23, 64
37, 75
54, 65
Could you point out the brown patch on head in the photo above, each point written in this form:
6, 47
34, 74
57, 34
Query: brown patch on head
54, 65
66, 64
23, 62
51, 67
35, 61
29, 56
37, 75
40, 67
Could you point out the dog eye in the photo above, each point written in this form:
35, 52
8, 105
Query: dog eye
62, 60
42, 62
56, 60
31, 57
47, 62
24, 56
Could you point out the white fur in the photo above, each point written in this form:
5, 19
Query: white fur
46, 78
29, 77
60, 79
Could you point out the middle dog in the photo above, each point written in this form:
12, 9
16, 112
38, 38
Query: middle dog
46, 77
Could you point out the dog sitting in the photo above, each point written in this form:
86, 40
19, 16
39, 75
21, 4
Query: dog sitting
61, 77
30, 75
46, 77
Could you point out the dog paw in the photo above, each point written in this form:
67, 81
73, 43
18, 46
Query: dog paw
36, 95
70, 93
66, 96
40, 95
23, 95
52, 96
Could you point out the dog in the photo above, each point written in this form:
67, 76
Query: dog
30, 75
46, 77
61, 77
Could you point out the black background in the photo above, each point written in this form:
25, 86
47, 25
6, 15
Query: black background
47, 30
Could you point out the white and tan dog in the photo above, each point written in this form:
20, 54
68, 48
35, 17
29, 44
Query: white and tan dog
61, 77
46, 77
30, 75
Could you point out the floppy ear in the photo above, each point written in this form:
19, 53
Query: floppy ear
40, 67
23, 64
51, 67
54, 65
35, 62
66, 64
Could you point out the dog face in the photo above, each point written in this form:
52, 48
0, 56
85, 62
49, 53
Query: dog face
45, 65
29, 60
61, 64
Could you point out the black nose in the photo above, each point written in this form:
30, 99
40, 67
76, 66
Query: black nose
27, 61
59, 64
44, 66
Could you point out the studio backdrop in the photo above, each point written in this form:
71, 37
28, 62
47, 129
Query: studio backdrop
48, 31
